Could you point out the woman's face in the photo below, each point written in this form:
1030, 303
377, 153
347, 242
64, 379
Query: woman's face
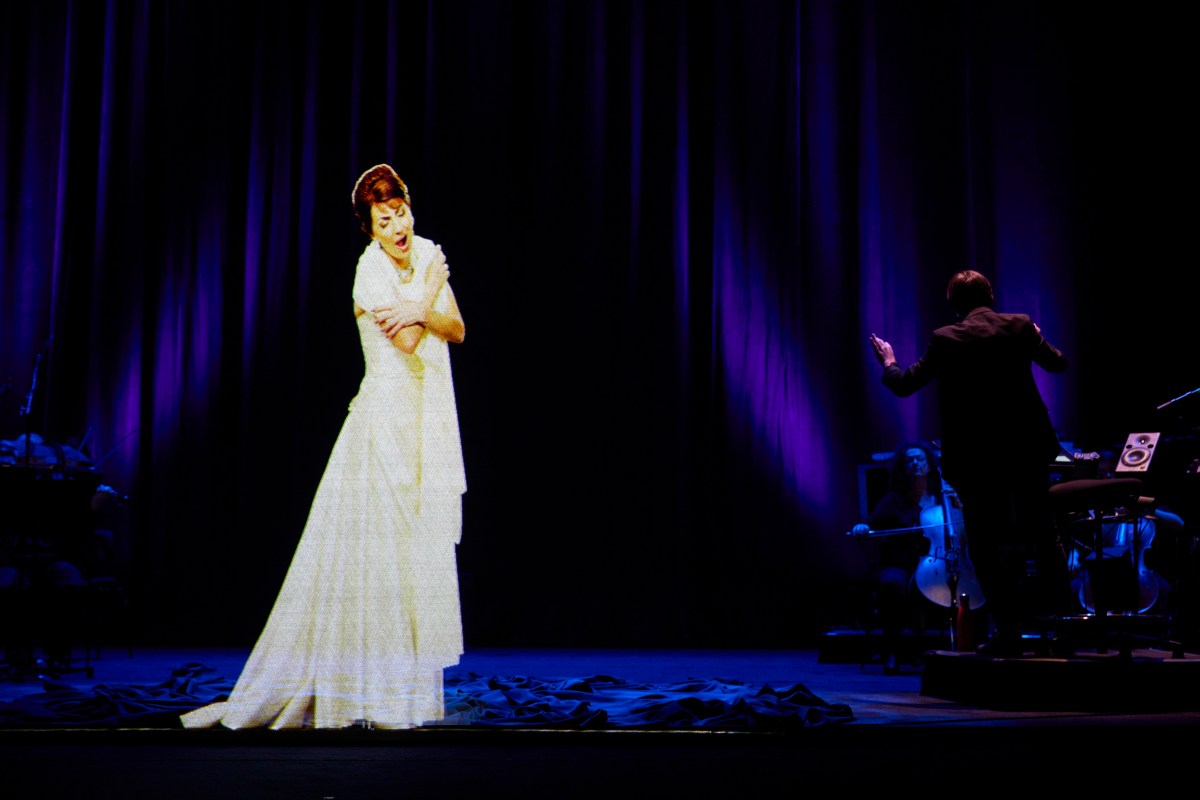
392, 225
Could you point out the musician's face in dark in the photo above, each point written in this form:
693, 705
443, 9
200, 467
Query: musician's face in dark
916, 462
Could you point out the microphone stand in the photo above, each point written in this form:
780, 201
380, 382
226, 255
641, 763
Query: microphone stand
27, 408
1177, 399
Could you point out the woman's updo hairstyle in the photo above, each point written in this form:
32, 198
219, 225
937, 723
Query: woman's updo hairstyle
377, 185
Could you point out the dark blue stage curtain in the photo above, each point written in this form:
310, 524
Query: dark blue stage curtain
670, 227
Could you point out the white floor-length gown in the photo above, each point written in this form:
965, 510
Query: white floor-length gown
368, 615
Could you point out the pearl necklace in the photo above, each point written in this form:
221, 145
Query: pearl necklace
406, 273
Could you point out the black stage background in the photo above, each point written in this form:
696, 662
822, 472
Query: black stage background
670, 226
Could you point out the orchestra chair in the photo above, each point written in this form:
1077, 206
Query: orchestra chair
103, 615
96, 611
1079, 510
59, 622
106, 618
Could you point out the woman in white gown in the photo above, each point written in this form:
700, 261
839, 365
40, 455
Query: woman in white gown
368, 615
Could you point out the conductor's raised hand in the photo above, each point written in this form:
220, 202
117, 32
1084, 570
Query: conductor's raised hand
883, 351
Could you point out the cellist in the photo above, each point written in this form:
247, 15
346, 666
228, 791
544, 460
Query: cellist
914, 487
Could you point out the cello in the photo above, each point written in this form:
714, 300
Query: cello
1124, 545
946, 576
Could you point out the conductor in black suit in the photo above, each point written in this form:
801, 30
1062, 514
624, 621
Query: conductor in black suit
997, 444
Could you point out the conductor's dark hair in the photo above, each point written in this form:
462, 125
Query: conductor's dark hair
969, 290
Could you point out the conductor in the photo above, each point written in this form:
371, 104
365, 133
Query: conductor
997, 440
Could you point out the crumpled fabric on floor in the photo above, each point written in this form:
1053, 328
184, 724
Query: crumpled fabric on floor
593, 702
61, 705
603, 701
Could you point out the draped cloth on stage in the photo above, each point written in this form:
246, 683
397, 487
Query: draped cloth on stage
585, 702
368, 615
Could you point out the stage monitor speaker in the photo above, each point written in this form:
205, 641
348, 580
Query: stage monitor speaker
1138, 453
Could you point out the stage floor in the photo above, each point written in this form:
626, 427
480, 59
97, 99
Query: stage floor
898, 728
934, 686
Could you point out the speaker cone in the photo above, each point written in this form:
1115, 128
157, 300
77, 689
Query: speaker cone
1135, 457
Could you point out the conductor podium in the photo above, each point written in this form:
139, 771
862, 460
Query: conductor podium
1121, 649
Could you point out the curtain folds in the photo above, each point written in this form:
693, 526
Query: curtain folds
670, 226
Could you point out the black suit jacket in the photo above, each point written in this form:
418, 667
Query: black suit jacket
993, 418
